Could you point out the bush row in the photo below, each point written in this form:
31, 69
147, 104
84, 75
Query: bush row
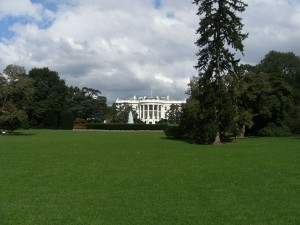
123, 126
177, 132
174, 131
271, 130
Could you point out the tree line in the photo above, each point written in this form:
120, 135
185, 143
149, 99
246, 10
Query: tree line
41, 99
227, 98
264, 99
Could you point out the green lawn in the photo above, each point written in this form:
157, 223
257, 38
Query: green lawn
138, 178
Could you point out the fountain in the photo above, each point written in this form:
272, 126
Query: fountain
130, 118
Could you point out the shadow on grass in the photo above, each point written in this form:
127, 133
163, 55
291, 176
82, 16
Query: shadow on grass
185, 140
296, 136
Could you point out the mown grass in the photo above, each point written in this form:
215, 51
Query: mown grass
137, 178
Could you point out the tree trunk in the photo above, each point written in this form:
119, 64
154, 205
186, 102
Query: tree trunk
242, 132
217, 139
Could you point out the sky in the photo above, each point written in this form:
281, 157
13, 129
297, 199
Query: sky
130, 47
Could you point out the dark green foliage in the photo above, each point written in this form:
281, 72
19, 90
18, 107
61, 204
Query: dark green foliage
270, 99
119, 114
162, 121
204, 133
287, 67
195, 124
212, 104
296, 118
173, 115
16, 90
270, 92
94, 105
66, 120
79, 121
205, 115
49, 98
124, 126
56, 105
272, 130
11, 117
285, 63
174, 131
86, 103
45, 100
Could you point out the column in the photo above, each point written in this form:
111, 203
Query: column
153, 111
140, 111
160, 112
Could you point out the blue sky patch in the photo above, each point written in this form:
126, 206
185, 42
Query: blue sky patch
157, 4
170, 15
8, 21
48, 4
5, 32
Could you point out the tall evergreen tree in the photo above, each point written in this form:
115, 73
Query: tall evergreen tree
220, 31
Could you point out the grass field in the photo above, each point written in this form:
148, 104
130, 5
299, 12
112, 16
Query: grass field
138, 178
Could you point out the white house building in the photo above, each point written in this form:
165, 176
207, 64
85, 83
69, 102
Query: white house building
150, 109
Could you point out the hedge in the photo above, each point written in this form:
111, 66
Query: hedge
123, 126
174, 131
271, 130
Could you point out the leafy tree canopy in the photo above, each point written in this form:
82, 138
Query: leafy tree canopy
16, 90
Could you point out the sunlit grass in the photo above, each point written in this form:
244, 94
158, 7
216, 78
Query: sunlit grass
136, 178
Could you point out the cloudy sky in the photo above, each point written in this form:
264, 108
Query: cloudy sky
128, 47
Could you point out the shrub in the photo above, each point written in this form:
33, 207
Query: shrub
271, 130
79, 126
174, 131
124, 126
227, 138
204, 133
79, 123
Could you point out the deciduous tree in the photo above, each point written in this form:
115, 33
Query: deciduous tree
49, 98
16, 89
174, 114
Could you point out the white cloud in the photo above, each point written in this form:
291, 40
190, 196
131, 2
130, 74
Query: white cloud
19, 8
161, 77
25, 8
126, 48
272, 25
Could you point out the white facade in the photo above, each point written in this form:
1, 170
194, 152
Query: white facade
150, 109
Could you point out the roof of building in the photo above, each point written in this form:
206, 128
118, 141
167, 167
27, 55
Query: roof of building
145, 98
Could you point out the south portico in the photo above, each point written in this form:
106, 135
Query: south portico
150, 109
